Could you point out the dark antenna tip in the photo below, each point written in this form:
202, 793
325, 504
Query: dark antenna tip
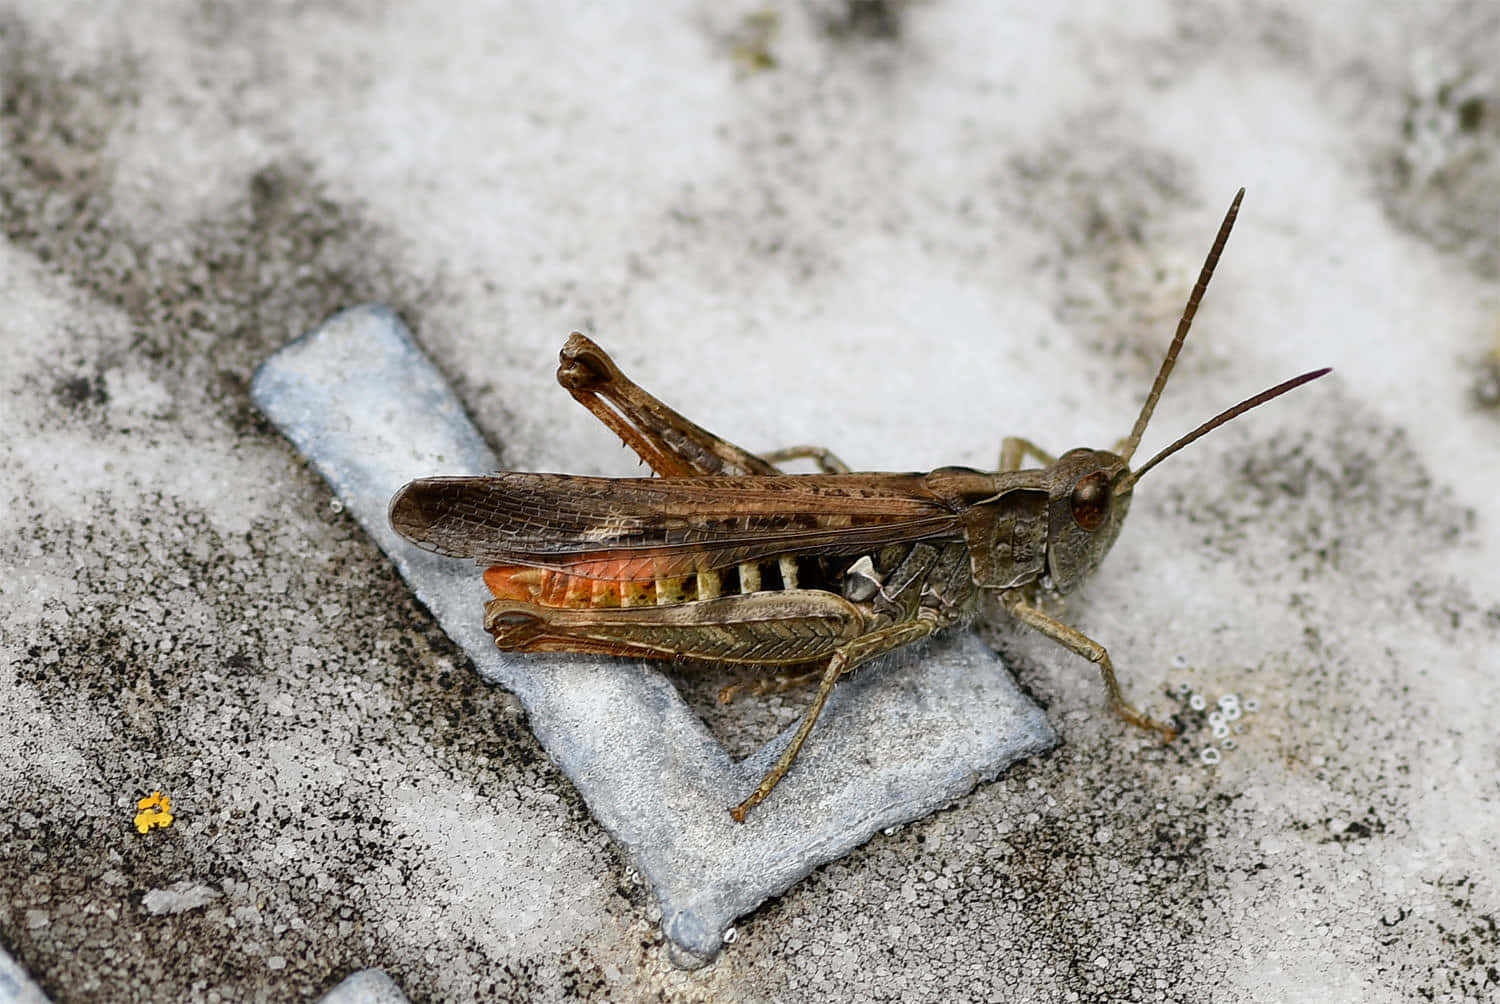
1132, 441
1220, 419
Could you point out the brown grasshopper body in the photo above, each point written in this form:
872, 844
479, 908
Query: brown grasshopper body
723, 557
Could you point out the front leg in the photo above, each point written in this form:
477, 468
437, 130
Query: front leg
1081, 644
669, 443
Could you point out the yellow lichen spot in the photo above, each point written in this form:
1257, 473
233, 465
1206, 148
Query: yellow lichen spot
155, 810
751, 44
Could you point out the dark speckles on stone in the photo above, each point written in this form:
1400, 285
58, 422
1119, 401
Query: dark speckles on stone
1321, 497
853, 20
1486, 391
79, 392
1436, 181
217, 298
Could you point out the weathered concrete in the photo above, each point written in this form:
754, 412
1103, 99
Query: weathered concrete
899, 230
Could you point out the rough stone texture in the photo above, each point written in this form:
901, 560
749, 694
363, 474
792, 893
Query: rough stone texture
370, 413
902, 230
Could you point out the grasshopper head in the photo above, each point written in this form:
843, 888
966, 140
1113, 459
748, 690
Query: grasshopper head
1089, 490
1088, 496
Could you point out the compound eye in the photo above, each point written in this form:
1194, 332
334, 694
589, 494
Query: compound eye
1091, 498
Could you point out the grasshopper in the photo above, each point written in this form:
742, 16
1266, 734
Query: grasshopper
724, 557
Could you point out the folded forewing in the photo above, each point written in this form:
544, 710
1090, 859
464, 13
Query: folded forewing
626, 528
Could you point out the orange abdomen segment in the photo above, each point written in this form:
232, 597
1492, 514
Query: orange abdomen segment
548, 587
624, 582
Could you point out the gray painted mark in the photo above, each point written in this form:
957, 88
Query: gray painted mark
15, 986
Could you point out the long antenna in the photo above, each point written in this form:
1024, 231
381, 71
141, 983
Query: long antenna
1134, 439
1219, 420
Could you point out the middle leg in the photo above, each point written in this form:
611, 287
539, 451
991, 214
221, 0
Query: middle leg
774, 683
1014, 450
820, 455
846, 658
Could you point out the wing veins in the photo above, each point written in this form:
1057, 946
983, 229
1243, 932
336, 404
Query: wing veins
674, 526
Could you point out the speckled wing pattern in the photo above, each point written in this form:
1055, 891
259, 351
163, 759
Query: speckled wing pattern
624, 528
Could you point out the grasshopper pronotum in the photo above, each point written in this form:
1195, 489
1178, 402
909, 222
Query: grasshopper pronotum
723, 557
